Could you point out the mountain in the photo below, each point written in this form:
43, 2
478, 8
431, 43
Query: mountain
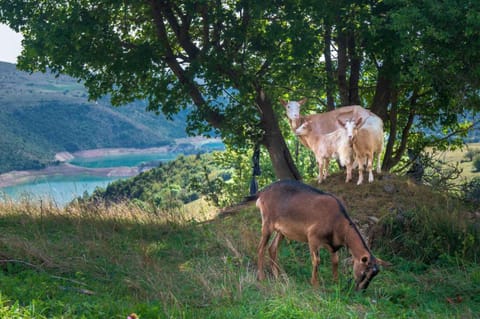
41, 114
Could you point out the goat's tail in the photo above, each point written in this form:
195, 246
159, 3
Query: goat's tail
247, 201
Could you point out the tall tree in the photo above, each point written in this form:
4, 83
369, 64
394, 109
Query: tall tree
415, 64
230, 58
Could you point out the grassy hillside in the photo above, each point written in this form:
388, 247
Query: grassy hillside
42, 115
107, 262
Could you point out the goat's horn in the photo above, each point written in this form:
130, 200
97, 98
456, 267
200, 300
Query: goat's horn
383, 262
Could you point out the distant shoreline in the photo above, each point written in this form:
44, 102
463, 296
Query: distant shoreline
66, 169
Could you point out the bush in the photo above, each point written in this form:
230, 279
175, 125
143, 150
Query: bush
476, 163
471, 154
428, 236
471, 190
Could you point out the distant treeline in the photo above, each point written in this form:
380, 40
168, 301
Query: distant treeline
168, 186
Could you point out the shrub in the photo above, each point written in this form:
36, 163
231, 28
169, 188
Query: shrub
471, 190
428, 235
476, 163
471, 154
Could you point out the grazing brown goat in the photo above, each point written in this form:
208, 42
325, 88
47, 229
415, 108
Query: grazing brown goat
303, 213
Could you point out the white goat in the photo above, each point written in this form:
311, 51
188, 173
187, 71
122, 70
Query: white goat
367, 140
325, 146
324, 123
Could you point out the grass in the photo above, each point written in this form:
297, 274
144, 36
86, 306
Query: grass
107, 262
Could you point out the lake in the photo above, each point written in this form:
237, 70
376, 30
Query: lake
58, 189
61, 189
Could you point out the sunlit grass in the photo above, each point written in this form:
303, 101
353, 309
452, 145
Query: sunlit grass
109, 261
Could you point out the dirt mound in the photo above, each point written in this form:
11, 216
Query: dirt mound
388, 193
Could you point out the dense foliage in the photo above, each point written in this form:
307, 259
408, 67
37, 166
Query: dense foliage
167, 187
416, 64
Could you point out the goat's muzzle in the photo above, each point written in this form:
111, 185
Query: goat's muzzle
367, 277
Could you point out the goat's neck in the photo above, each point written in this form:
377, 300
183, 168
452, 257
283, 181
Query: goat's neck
294, 124
354, 241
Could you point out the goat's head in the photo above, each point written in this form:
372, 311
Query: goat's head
303, 129
293, 108
365, 268
351, 126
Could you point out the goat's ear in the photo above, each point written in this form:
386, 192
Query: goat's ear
383, 263
302, 101
342, 123
359, 122
284, 103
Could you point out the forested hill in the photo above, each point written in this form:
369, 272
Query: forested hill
42, 114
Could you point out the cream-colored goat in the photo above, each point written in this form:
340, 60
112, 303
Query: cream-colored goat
324, 123
367, 141
325, 146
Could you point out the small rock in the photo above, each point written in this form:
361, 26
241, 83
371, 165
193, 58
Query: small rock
373, 219
389, 188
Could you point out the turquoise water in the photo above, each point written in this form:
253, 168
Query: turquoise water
63, 189
59, 189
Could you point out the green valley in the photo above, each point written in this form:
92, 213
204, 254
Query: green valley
42, 114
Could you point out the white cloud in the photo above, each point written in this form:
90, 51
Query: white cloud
10, 44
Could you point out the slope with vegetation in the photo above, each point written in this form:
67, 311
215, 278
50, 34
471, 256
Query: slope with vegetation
42, 115
109, 261
167, 187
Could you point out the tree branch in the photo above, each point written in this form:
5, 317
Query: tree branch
214, 118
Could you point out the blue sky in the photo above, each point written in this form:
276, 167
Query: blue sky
10, 44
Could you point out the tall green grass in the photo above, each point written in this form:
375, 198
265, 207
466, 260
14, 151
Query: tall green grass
107, 262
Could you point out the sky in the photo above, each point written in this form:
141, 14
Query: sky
10, 44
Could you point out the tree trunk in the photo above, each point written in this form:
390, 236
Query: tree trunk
382, 95
355, 61
388, 155
330, 87
405, 133
342, 68
382, 98
273, 140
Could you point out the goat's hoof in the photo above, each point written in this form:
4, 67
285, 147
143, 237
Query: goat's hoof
260, 277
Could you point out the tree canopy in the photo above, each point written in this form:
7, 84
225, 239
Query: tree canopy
414, 63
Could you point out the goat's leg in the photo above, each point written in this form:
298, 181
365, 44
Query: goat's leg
360, 170
315, 262
334, 257
326, 165
349, 172
261, 252
370, 167
379, 162
320, 170
273, 251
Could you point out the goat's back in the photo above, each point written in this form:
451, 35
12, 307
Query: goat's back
290, 202
323, 123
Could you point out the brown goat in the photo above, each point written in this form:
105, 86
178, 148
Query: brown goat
303, 213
